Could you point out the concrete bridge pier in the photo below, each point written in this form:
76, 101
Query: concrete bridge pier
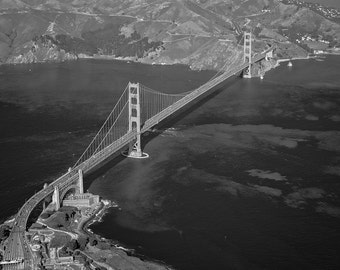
269, 55
44, 203
56, 198
81, 181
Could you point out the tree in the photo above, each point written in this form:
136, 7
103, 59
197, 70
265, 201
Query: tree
4, 231
72, 245
44, 215
94, 242
83, 242
63, 251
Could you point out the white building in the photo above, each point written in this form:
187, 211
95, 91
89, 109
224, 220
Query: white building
81, 200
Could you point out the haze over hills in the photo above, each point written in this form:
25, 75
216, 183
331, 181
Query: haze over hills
200, 33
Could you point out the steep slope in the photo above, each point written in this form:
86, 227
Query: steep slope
200, 33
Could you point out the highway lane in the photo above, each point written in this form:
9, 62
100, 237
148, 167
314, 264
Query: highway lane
17, 247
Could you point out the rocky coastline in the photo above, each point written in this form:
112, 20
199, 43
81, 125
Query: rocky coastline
106, 253
109, 248
259, 69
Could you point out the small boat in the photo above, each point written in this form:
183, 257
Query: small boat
290, 64
261, 77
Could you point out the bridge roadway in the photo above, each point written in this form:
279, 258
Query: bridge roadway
210, 85
17, 246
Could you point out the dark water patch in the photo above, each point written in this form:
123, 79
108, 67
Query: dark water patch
50, 112
262, 102
193, 203
197, 181
242, 236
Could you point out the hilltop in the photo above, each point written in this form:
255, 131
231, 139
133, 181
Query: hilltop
200, 33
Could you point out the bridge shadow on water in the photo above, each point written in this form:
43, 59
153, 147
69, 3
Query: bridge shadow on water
146, 138
167, 123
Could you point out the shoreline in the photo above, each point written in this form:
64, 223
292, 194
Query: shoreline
127, 60
283, 60
278, 62
118, 248
108, 246
142, 61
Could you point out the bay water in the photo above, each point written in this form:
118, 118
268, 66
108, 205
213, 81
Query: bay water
247, 179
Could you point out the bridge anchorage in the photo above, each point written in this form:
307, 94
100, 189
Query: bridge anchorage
60, 191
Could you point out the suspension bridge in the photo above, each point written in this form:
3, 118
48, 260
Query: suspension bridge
138, 109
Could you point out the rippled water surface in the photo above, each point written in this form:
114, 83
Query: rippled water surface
248, 179
50, 112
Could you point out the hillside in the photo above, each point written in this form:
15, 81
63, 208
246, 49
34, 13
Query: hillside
200, 33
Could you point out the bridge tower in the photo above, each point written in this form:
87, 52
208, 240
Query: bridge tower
135, 148
247, 54
81, 181
56, 198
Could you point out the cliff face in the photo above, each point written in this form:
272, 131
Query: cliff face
39, 52
200, 33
